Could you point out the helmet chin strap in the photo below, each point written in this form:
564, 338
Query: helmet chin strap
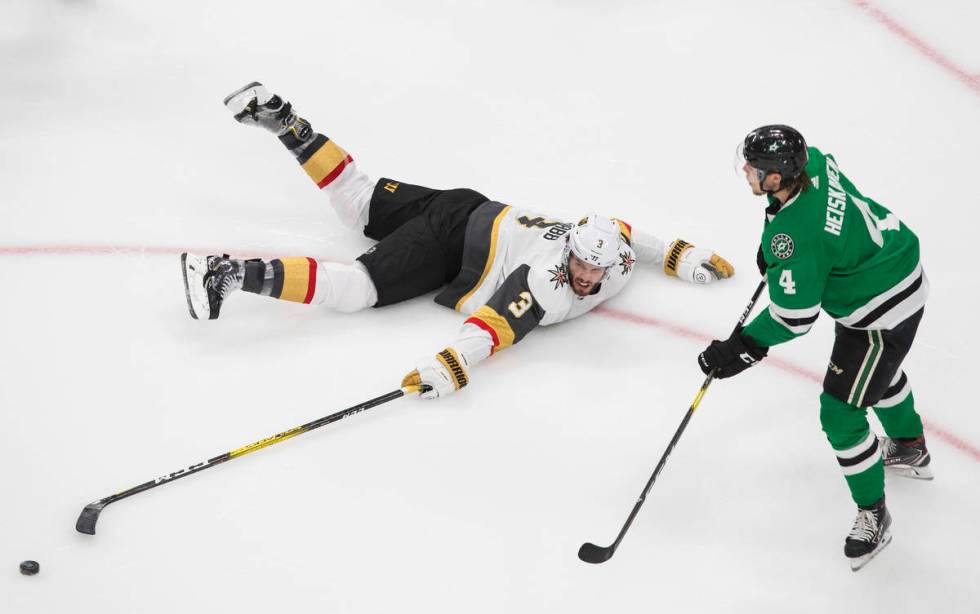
762, 183
762, 175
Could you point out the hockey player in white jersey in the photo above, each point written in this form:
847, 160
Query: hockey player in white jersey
507, 269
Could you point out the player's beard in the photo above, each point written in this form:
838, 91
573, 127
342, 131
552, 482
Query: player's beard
579, 290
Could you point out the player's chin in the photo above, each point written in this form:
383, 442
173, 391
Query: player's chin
581, 291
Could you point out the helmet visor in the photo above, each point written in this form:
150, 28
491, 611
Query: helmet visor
743, 168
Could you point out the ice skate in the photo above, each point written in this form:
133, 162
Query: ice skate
907, 457
208, 280
253, 104
869, 535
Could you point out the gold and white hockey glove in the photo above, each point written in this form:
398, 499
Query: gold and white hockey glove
696, 265
444, 374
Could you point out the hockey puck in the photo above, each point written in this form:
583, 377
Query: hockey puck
29, 568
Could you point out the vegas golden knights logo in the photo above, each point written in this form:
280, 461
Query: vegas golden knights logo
626, 261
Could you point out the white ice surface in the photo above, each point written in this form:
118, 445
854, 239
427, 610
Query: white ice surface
116, 154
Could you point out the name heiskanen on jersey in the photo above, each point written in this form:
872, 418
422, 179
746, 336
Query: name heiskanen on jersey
832, 248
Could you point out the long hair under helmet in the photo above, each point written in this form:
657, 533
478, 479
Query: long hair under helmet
775, 148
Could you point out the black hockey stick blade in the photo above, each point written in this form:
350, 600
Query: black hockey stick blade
88, 518
590, 553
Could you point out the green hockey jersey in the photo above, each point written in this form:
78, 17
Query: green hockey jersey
831, 248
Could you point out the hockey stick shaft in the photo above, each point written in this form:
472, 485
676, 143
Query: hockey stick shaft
90, 514
590, 553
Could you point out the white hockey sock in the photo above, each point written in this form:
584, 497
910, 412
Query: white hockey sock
350, 196
344, 287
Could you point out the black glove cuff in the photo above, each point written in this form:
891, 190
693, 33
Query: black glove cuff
754, 349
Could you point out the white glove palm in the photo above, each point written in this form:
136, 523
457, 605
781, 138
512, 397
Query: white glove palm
695, 265
444, 374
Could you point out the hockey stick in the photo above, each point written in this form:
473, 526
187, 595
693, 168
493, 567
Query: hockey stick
90, 515
589, 552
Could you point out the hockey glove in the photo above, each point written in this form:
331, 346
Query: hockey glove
695, 265
444, 373
731, 357
760, 261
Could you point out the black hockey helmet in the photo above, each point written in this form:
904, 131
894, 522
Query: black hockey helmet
776, 149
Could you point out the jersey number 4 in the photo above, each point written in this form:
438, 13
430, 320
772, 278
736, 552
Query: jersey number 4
786, 281
874, 223
536, 222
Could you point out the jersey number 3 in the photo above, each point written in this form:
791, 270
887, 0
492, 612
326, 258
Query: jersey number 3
519, 308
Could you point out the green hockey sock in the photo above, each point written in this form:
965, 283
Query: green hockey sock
856, 447
901, 420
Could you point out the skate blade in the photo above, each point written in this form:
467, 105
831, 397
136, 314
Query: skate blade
190, 285
861, 561
907, 471
237, 100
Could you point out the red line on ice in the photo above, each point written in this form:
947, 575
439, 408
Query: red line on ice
783, 365
971, 81
677, 330
134, 250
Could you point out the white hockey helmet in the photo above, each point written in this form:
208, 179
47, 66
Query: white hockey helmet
595, 240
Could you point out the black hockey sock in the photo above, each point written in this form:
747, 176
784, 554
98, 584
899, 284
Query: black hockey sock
298, 136
254, 276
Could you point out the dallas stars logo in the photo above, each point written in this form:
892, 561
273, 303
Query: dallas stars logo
774, 147
626, 261
559, 275
782, 246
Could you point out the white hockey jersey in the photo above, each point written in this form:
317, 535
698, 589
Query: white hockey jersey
514, 277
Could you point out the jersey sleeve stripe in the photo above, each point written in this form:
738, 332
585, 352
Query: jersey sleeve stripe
797, 326
485, 327
626, 231
787, 314
489, 320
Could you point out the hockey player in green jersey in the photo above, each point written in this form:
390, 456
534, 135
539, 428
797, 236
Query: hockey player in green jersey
826, 246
